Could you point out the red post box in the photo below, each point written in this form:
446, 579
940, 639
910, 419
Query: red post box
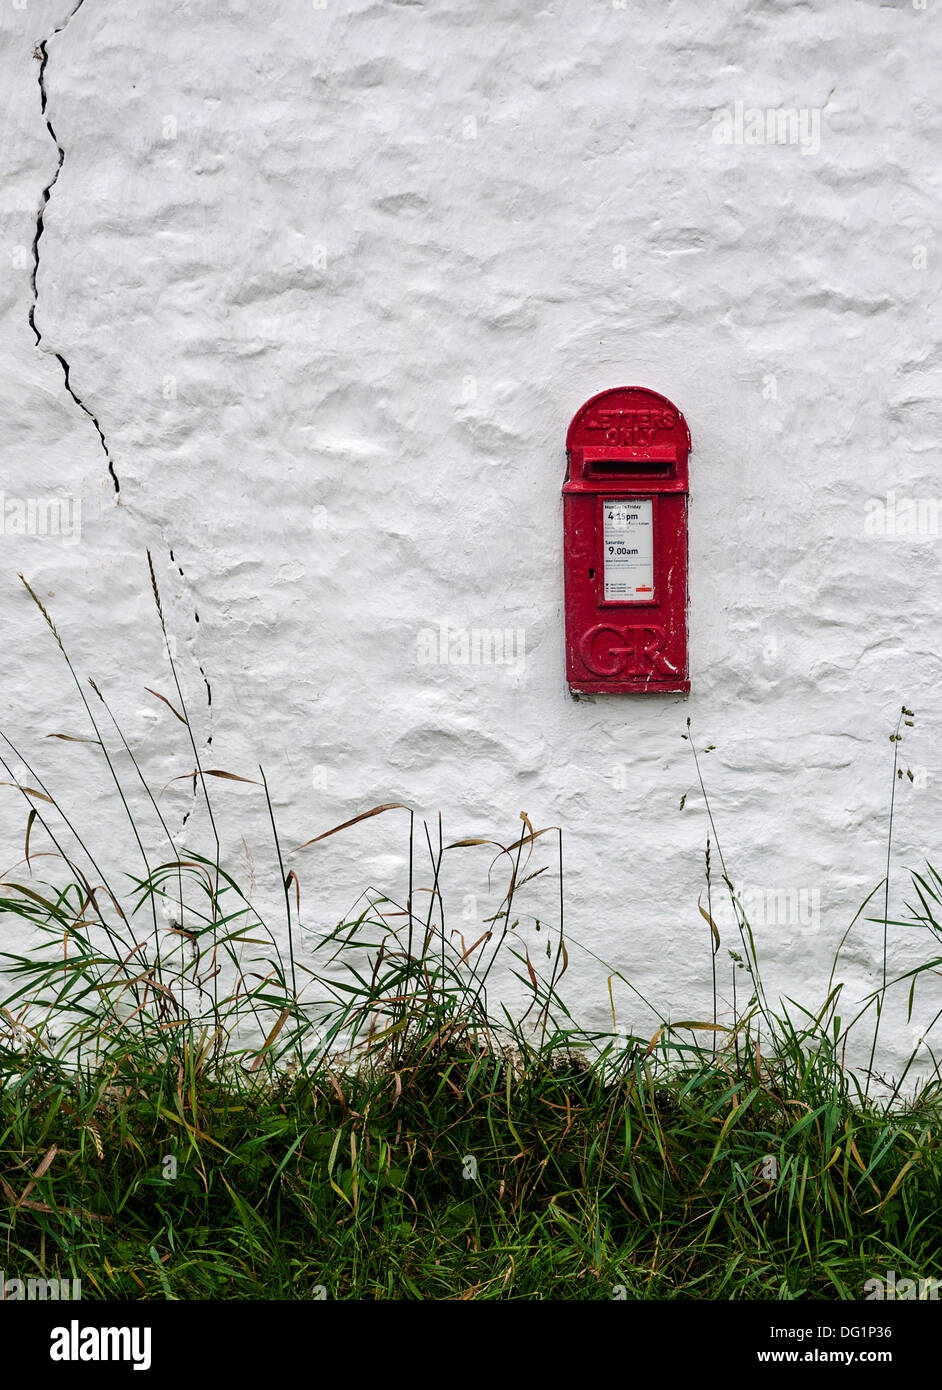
625, 551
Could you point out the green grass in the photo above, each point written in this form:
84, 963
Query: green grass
194, 1104
659, 1183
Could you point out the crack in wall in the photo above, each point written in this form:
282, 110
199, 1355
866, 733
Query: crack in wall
209, 690
42, 53
209, 693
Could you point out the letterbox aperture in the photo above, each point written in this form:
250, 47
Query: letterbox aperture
625, 552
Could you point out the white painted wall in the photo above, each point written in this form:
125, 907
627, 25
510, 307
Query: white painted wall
333, 279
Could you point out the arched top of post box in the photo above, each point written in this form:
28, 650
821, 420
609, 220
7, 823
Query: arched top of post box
629, 434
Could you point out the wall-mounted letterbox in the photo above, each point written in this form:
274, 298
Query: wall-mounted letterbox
625, 552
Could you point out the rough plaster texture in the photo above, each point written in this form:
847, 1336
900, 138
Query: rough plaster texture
332, 279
